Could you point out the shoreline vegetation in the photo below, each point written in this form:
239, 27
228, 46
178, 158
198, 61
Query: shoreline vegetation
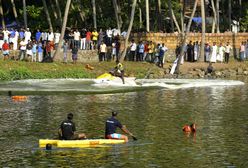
19, 70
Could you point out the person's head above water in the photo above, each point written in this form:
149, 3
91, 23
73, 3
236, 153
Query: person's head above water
114, 113
70, 116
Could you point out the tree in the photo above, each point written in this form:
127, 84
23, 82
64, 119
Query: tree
185, 35
129, 29
58, 11
14, 9
171, 17
47, 15
229, 13
214, 16
117, 14
25, 13
58, 50
203, 31
147, 17
94, 12
1, 13
217, 16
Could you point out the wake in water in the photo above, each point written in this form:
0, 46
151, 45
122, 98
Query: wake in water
187, 83
89, 86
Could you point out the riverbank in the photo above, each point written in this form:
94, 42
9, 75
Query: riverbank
17, 70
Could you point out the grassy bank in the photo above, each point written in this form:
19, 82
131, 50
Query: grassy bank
17, 70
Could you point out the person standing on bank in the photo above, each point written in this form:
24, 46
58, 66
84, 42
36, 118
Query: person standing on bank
67, 130
110, 130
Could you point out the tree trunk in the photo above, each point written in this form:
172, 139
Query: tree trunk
140, 17
185, 35
1, 13
94, 12
47, 15
202, 53
159, 16
217, 17
214, 17
147, 17
58, 50
229, 14
58, 11
116, 14
129, 30
25, 14
175, 21
14, 9
171, 17
53, 10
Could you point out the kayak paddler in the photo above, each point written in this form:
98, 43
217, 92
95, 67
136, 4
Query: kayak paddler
110, 130
118, 71
67, 130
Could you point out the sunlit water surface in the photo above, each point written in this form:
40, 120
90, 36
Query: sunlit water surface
155, 111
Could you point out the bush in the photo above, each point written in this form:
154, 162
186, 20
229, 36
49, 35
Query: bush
20, 73
4, 75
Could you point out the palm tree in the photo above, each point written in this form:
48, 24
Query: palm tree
14, 9
201, 58
47, 15
171, 18
94, 12
1, 13
217, 16
58, 50
117, 14
229, 13
159, 18
129, 29
185, 35
25, 13
59, 11
214, 17
147, 16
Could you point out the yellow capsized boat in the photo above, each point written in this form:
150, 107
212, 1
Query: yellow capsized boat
78, 143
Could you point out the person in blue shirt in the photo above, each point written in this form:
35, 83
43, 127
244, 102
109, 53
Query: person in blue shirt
111, 125
37, 35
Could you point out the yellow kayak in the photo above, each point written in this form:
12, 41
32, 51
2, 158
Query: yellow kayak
78, 143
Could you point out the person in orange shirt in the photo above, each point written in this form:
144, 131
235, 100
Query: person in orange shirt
5, 48
88, 40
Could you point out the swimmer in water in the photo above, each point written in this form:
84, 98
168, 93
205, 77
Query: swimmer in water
189, 128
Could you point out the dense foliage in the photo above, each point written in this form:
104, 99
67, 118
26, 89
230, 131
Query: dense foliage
80, 14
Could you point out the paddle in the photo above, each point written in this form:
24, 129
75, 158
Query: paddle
134, 138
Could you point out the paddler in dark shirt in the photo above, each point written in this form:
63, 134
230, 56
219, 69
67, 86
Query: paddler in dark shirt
68, 128
110, 130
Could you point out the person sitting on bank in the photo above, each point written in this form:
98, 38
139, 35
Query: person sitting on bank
68, 128
210, 68
110, 129
118, 71
189, 128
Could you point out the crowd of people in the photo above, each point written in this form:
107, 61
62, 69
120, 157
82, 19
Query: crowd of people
213, 53
38, 46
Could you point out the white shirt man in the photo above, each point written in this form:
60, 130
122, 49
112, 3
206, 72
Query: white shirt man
56, 37
76, 35
109, 33
27, 35
50, 36
6, 34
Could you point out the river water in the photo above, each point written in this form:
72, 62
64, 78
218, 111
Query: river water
155, 111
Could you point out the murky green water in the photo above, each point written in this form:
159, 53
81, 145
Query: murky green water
156, 116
